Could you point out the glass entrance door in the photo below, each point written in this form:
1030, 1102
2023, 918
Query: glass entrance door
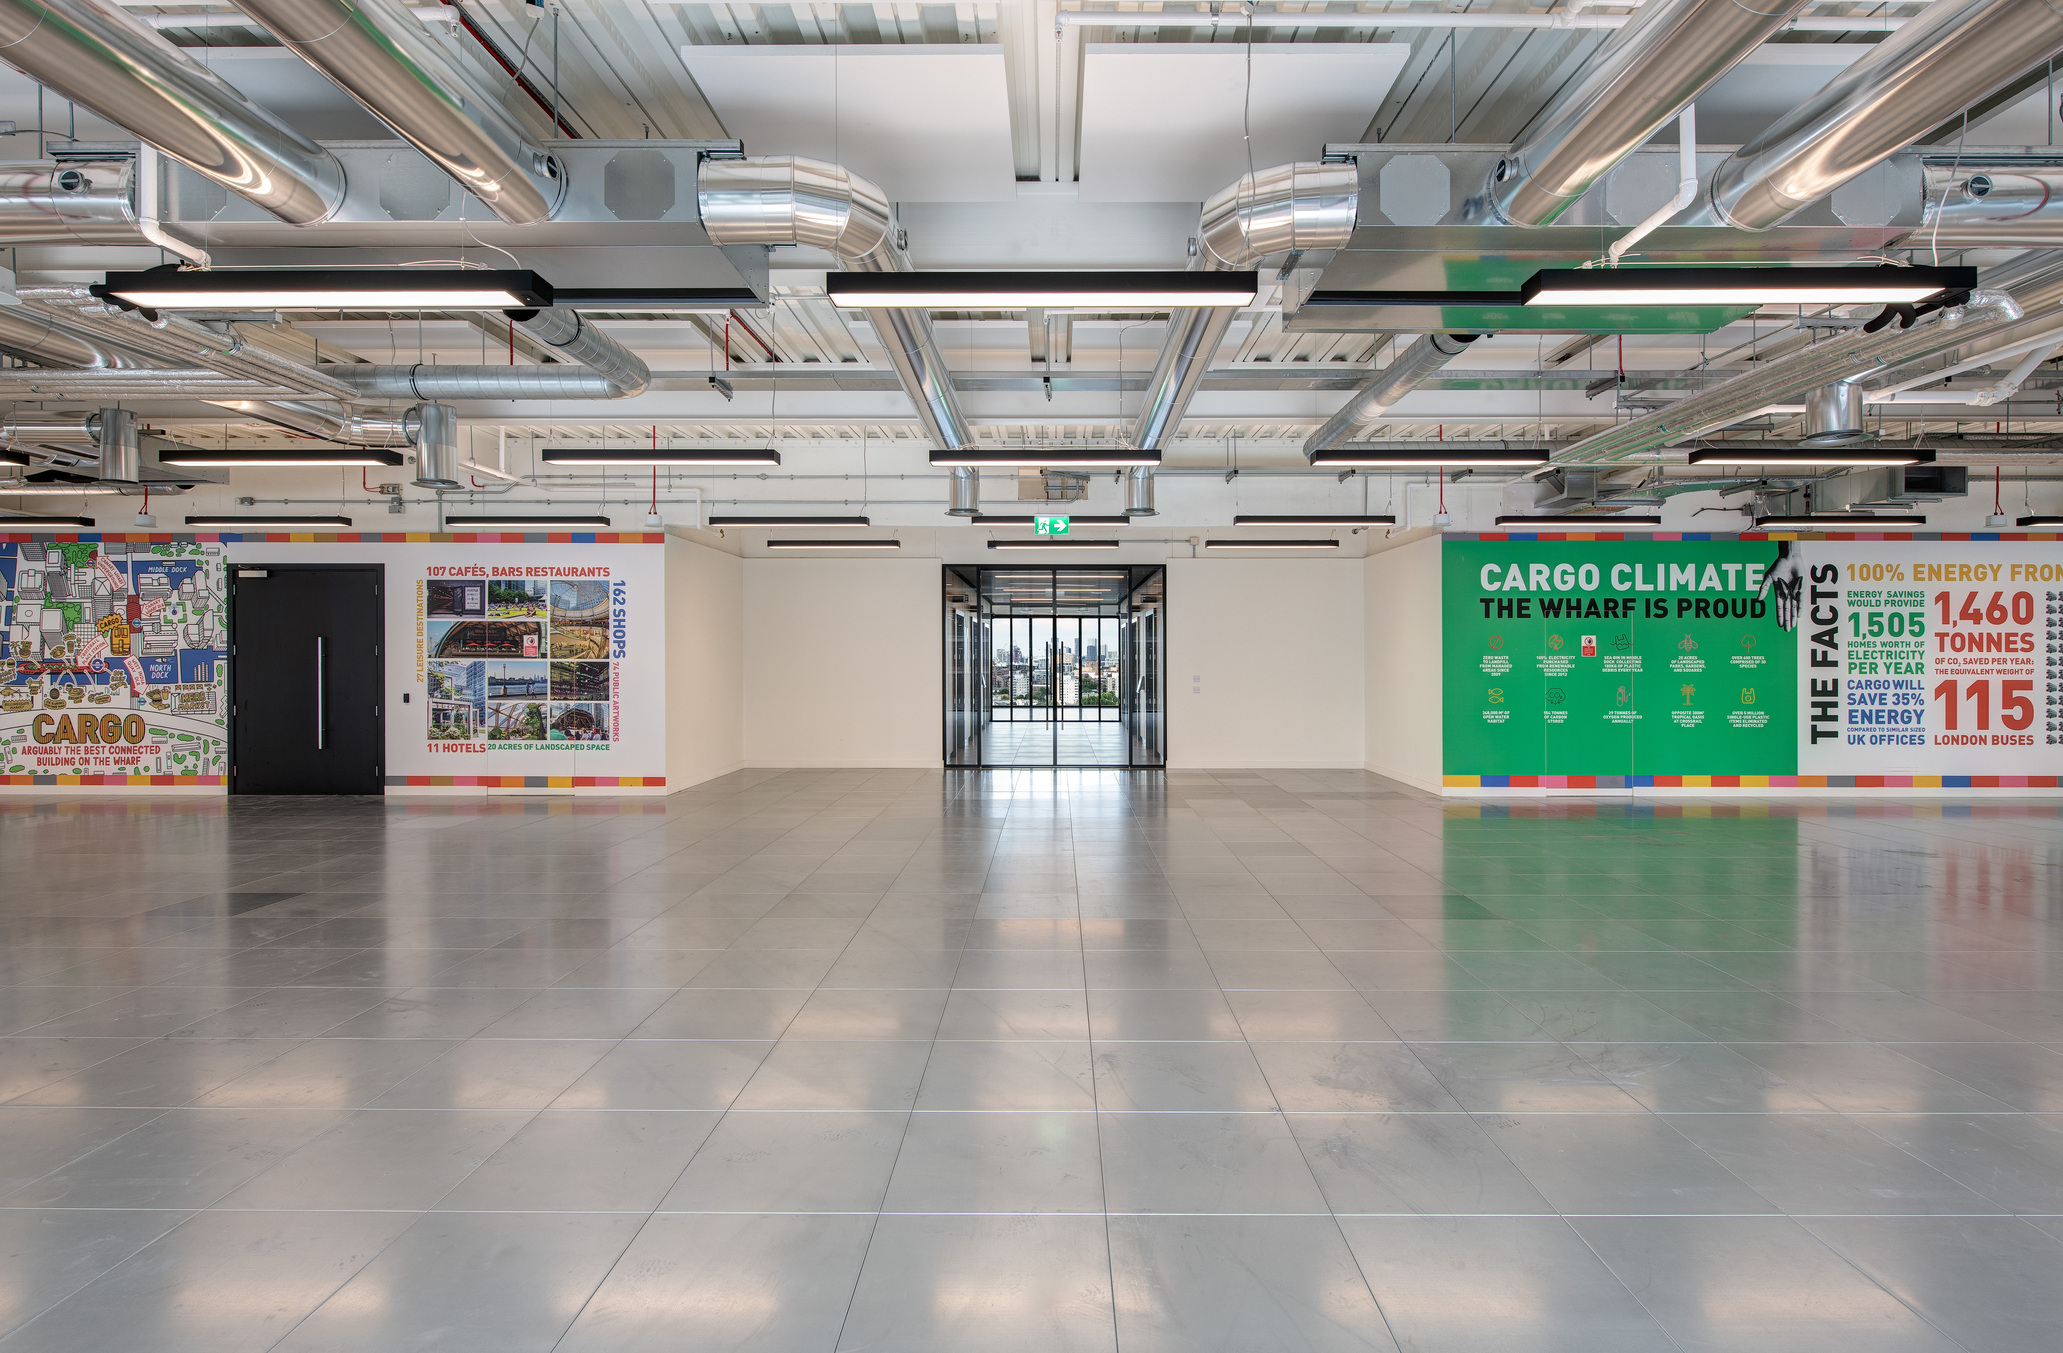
1050, 667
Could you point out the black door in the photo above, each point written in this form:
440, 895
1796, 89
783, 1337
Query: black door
305, 680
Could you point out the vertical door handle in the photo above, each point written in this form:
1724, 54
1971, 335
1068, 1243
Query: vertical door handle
321, 705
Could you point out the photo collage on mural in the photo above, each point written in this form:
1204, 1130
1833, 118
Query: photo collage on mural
1638, 658
112, 659
523, 662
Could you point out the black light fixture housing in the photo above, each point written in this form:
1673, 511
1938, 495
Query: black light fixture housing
2040, 521
778, 543
8, 456
1311, 519
1053, 543
506, 521
663, 455
1882, 285
244, 457
1133, 290
988, 519
173, 288
1103, 456
1271, 544
1458, 456
788, 519
42, 523
230, 522
1838, 521
1570, 522
1858, 456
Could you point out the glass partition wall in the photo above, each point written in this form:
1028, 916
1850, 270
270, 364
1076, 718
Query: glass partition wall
1055, 666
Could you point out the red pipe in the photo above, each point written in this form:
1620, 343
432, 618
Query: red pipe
465, 21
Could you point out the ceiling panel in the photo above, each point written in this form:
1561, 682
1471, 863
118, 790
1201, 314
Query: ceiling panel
1165, 122
928, 124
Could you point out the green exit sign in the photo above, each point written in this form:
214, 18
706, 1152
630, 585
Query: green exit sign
1049, 526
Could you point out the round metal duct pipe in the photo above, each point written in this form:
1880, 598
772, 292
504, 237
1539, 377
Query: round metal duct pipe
103, 58
68, 204
965, 488
1833, 414
121, 453
1139, 492
435, 432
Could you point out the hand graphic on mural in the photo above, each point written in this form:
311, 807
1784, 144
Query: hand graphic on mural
1786, 582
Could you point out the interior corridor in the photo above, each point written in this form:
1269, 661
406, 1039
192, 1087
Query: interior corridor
1030, 1060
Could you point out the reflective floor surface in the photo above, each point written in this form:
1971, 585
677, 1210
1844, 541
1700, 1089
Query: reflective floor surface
1085, 743
853, 1060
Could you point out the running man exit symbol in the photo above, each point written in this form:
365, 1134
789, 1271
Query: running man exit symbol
1049, 526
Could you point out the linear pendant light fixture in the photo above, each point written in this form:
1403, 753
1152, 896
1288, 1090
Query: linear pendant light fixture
1413, 458
777, 543
296, 522
1271, 544
1837, 521
1744, 286
254, 457
42, 523
659, 455
787, 519
2041, 521
1103, 456
171, 288
1053, 543
1161, 290
1853, 458
1313, 519
504, 520
1517, 521
989, 519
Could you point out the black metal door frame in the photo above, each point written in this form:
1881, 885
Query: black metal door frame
379, 572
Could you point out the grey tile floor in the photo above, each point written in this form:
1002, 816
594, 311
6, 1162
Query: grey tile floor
853, 1060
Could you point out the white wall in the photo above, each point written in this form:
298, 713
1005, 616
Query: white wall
1277, 645
842, 662
705, 665
1404, 662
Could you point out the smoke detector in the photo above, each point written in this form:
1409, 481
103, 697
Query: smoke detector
1442, 520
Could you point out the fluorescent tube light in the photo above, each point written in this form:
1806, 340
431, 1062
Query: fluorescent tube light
1046, 455
784, 520
1460, 457
1743, 286
1838, 521
303, 523
985, 519
778, 543
1271, 544
1565, 522
1164, 290
2041, 521
43, 523
639, 455
247, 457
171, 288
11, 457
494, 519
1313, 519
1806, 455
1053, 543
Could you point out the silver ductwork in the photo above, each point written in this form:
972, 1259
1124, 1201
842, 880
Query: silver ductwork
102, 58
379, 52
786, 199
44, 203
434, 430
327, 421
1382, 389
579, 341
964, 492
1992, 206
1833, 414
121, 451
369, 381
1139, 492
35, 335
1951, 56
1669, 54
1295, 208
1855, 355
